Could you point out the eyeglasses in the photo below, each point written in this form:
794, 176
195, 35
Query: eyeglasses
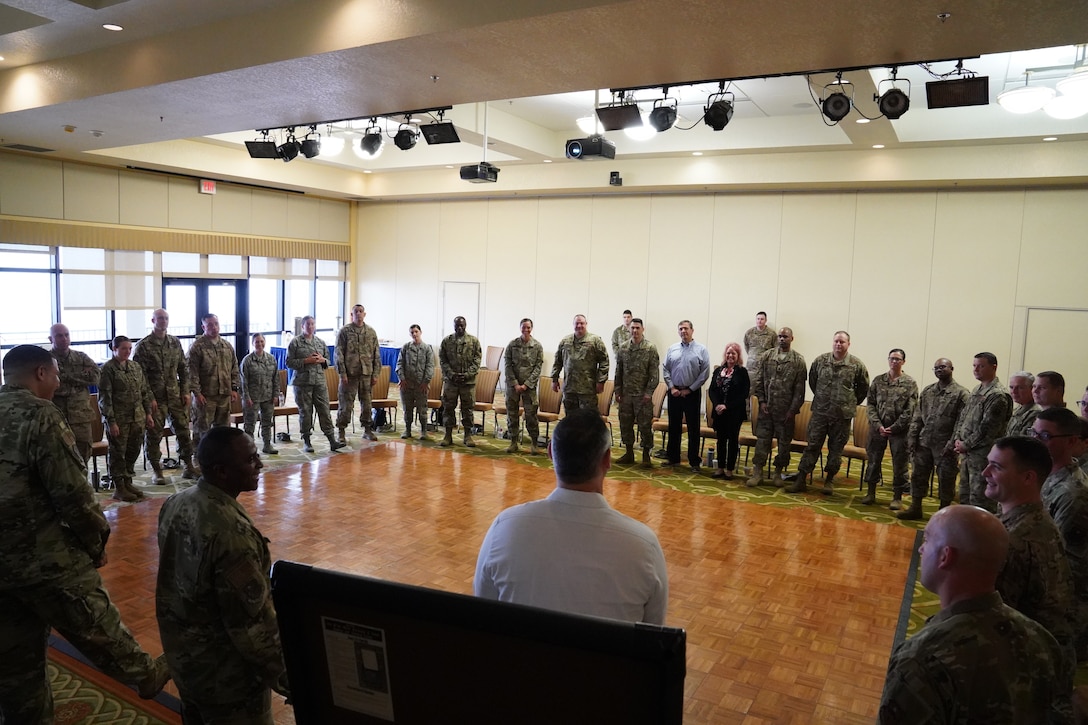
895, 359
1082, 403
1046, 436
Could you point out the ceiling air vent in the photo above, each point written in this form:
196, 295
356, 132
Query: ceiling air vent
25, 147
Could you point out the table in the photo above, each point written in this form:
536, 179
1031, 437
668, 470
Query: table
390, 356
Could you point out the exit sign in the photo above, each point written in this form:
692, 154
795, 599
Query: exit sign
207, 186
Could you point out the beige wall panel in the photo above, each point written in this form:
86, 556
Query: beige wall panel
303, 217
189, 209
269, 213
562, 269
747, 240
91, 194
416, 273
375, 264
977, 250
232, 210
1050, 345
463, 238
681, 229
335, 221
31, 187
144, 200
1053, 248
815, 270
510, 273
890, 281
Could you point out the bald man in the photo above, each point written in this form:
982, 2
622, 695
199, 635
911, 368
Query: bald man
77, 373
977, 660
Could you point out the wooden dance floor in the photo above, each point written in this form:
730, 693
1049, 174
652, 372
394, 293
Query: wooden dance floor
790, 614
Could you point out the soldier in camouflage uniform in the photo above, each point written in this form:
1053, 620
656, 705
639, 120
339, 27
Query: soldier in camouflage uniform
982, 421
622, 334
306, 356
1065, 497
638, 371
125, 402
929, 441
53, 537
977, 660
778, 384
167, 372
1024, 416
260, 392
213, 378
213, 600
1035, 580
893, 397
582, 360
359, 362
523, 361
839, 383
77, 373
459, 355
759, 339
415, 368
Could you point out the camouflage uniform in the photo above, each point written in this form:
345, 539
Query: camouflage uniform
638, 372
522, 364
620, 337
459, 356
837, 389
311, 386
930, 438
77, 373
415, 368
778, 381
359, 359
214, 605
167, 372
52, 533
891, 404
124, 399
213, 373
978, 661
1036, 582
260, 386
583, 365
1022, 420
756, 343
1065, 497
983, 420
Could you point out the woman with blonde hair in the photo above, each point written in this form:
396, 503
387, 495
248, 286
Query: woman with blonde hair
729, 389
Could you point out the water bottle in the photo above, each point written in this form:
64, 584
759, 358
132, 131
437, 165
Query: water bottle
709, 457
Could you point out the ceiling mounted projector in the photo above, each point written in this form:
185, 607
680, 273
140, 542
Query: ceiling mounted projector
480, 173
594, 147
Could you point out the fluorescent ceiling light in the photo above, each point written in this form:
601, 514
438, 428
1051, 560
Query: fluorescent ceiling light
1025, 99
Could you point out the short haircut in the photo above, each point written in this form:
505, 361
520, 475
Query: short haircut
761, 312
842, 332
217, 446
636, 319
254, 336
1028, 453
358, 307
1056, 379
23, 359
118, 341
209, 316
687, 322
1023, 374
627, 312
1067, 421
414, 327
524, 320
307, 317
578, 445
898, 350
987, 356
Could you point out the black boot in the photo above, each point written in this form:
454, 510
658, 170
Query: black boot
307, 446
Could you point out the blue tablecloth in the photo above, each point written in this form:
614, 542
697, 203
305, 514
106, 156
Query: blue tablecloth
280, 353
390, 355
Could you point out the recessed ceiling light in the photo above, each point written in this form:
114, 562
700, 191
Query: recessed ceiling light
1, 57
547, 161
696, 153
367, 171
1051, 138
112, 26
448, 166
878, 146
863, 120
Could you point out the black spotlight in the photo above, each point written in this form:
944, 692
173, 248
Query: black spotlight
836, 106
406, 138
311, 147
663, 117
288, 150
372, 141
718, 114
894, 103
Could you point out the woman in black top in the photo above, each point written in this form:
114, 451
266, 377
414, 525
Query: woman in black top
729, 388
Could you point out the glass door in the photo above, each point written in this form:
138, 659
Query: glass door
188, 300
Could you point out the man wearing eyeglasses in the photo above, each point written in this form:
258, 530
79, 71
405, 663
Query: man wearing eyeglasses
1024, 416
983, 420
893, 397
1065, 496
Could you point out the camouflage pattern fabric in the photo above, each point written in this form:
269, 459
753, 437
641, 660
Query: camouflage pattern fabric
620, 337
838, 386
124, 399
311, 387
260, 386
983, 420
359, 359
460, 361
77, 373
778, 381
638, 372
930, 437
756, 342
415, 368
213, 373
1065, 497
583, 364
167, 372
301, 348
1022, 420
523, 362
891, 404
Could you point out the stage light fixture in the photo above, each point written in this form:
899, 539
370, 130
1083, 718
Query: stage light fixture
372, 142
894, 102
311, 145
719, 108
617, 117
663, 115
406, 137
262, 148
289, 149
834, 102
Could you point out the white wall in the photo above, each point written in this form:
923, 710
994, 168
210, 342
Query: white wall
937, 273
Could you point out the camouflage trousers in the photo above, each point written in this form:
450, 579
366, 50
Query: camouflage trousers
636, 409
263, 409
214, 412
875, 448
972, 484
451, 394
125, 448
413, 397
309, 398
179, 423
256, 710
527, 401
575, 401
355, 387
836, 431
769, 427
80, 423
79, 608
925, 460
